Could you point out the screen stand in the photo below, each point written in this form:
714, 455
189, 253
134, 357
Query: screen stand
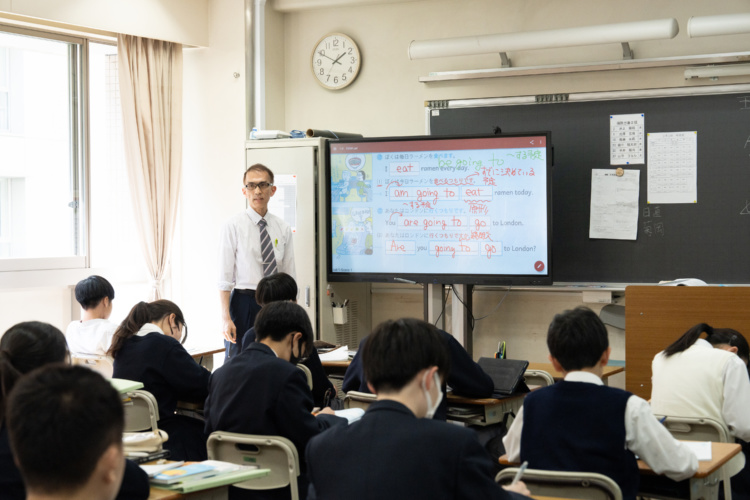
434, 302
461, 316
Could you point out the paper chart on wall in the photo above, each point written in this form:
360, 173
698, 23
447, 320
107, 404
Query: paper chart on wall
284, 202
626, 139
614, 204
673, 167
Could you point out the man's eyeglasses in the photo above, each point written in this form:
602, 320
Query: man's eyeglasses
262, 185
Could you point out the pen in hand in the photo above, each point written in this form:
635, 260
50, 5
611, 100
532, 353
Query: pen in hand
518, 475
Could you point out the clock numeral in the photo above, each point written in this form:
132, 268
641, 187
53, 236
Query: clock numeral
343, 77
353, 60
322, 52
335, 79
322, 72
335, 42
350, 70
318, 62
328, 77
350, 50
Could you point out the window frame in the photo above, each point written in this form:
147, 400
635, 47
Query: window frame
78, 100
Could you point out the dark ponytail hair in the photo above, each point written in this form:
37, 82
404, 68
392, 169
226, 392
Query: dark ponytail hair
688, 338
24, 347
139, 315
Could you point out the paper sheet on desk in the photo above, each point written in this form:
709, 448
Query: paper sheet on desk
338, 354
351, 414
702, 449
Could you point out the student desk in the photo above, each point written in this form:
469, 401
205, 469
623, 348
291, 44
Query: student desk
214, 493
484, 411
339, 368
705, 483
547, 367
335, 367
204, 356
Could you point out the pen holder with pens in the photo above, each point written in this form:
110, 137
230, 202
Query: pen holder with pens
340, 315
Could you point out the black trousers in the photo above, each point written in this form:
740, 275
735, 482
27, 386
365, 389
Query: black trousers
242, 310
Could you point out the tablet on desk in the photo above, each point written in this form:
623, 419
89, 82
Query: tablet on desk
506, 374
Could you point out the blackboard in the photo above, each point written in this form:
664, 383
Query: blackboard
708, 240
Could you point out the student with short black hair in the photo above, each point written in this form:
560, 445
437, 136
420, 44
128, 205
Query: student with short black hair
580, 424
92, 335
465, 377
65, 425
261, 390
23, 348
396, 450
147, 348
281, 286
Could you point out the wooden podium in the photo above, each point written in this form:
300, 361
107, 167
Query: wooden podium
656, 316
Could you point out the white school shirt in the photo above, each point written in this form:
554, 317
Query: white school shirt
92, 337
644, 436
724, 392
240, 259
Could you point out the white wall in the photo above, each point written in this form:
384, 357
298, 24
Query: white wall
181, 21
213, 163
387, 98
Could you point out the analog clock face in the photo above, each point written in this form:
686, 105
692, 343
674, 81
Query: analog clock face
335, 61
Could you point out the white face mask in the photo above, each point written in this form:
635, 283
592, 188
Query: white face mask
431, 409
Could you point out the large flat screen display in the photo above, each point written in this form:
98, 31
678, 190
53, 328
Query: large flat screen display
440, 210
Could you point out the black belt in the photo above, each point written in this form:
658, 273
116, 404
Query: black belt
245, 291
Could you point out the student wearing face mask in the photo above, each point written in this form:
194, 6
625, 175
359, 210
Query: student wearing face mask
261, 391
397, 451
147, 348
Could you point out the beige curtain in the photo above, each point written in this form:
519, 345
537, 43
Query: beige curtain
151, 97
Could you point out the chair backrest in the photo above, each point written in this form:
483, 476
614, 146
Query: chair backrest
588, 485
538, 377
307, 373
141, 411
356, 399
267, 452
101, 364
696, 429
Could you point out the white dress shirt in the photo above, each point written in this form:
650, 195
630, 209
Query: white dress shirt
240, 259
644, 436
92, 337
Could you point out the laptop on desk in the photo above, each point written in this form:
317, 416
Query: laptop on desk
507, 375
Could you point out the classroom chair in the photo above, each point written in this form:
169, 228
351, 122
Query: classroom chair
267, 452
141, 411
356, 399
307, 373
539, 378
101, 364
588, 485
705, 429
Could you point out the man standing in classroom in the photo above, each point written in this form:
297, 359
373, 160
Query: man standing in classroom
253, 244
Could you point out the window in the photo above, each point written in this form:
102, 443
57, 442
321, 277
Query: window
113, 238
4, 90
41, 154
64, 194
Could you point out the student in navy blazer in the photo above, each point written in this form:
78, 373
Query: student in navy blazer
146, 348
396, 451
281, 286
465, 376
261, 391
23, 348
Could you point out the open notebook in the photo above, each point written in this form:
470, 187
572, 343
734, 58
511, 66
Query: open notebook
507, 374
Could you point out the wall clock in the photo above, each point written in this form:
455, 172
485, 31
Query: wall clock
336, 61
